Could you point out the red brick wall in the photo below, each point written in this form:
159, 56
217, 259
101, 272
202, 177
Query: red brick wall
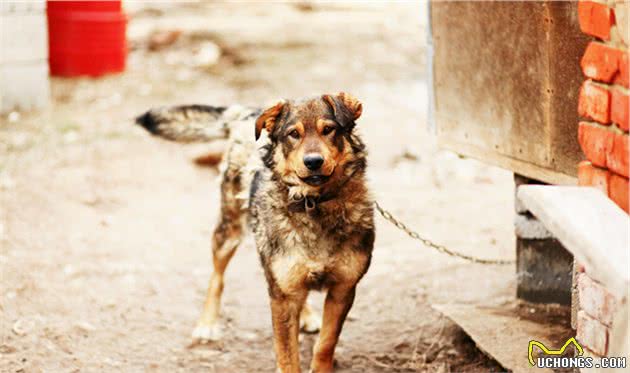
596, 307
603, 135
603, 102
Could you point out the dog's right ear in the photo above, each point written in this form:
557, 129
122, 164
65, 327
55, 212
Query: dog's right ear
268, 118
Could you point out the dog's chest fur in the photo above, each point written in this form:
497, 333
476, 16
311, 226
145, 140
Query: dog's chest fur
316, 250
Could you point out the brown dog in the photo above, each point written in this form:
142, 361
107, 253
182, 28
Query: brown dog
304, 196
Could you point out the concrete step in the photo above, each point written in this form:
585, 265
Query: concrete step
503, 331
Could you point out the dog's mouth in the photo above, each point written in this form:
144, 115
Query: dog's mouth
315, 180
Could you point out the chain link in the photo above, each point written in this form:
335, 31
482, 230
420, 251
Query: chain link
443, 249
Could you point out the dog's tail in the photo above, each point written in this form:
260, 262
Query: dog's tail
194, 123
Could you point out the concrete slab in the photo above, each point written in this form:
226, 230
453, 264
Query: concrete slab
589, 225
504, 331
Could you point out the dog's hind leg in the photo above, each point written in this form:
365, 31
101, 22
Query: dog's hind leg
226, 238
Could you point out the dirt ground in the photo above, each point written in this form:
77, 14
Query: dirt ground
105, 231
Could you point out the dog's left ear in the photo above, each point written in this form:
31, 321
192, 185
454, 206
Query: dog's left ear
268, 118
345, 107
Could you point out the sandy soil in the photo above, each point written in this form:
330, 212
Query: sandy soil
105, 231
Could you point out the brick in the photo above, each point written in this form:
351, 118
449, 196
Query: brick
575, 295
619, 107
613, 185
617, 156
618, 191
600, 62
595, 300
595, 19
596, 142
592, 334
604, 147
589, 353
594, 102
606, 64
623, 77
588, 175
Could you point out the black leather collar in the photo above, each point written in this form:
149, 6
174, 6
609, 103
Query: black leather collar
309, 204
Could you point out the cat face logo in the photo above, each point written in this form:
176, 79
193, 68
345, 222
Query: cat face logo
546, 351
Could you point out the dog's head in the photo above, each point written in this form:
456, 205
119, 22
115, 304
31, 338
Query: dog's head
311, 141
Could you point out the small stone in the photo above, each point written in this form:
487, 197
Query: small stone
85, 326
208, 54
163, 38
71, 137
22, 327
106, 221
13, 117
7, 349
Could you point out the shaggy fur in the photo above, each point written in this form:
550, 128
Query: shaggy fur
313, 221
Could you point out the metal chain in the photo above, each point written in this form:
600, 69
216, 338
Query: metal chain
443, 249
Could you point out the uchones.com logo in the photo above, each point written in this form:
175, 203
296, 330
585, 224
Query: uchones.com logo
556, 359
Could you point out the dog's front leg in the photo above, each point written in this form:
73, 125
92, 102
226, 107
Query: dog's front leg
338, 302
285, 314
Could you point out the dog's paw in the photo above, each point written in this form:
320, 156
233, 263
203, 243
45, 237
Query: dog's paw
321, 370
207, 333
311, 322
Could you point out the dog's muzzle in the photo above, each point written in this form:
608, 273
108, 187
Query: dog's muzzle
315, 180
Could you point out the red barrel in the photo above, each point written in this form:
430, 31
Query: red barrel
86, 37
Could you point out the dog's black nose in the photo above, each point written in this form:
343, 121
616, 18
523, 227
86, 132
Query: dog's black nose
313, 161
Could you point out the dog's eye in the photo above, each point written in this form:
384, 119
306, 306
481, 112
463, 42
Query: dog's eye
328, 130
294, 134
